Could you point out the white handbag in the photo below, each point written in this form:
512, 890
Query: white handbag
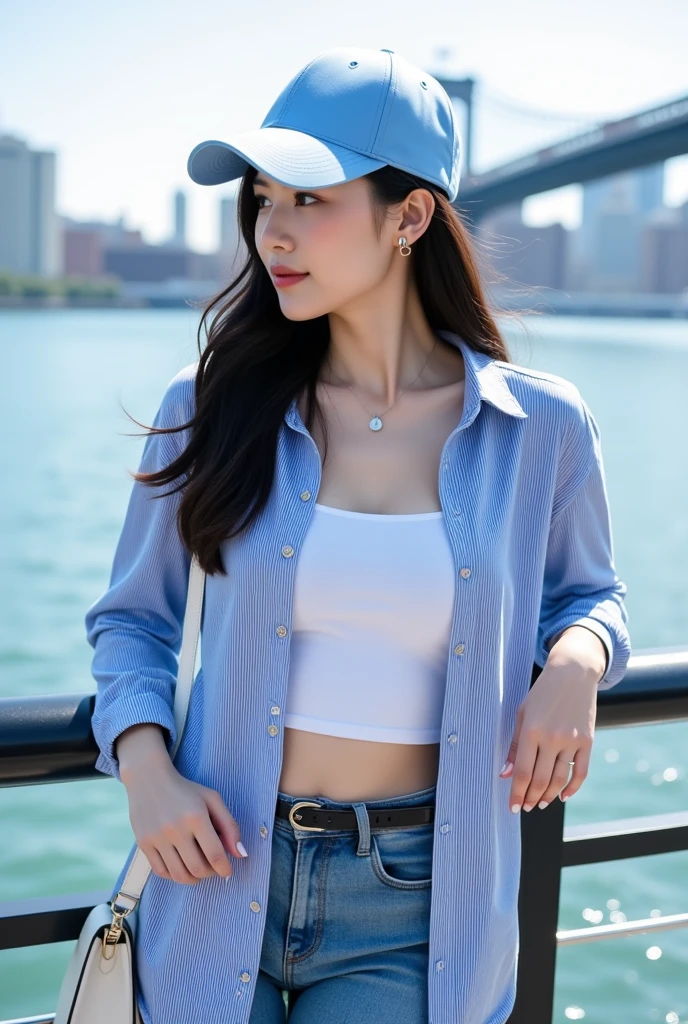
100, 983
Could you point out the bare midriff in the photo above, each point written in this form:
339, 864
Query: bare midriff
347, 769
391, 471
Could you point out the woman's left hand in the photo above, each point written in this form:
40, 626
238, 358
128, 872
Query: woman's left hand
555, 724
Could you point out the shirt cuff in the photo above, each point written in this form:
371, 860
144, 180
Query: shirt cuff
111, 721
605, 636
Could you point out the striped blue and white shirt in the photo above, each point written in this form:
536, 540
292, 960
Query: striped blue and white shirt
521, 484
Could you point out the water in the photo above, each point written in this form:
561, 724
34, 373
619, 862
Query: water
64, 468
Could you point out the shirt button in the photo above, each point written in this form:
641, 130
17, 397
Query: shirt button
459, 649
274, 710
281, 631
273, 730
255, 907
445, 828
287, 551
452, 737
439, 965
465, 573
305, 495
245, 976
263, 832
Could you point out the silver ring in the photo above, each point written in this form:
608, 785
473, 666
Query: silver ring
572, 762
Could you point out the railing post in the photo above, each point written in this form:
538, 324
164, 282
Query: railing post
542, 834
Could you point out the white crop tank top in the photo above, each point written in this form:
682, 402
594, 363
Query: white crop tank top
373, 602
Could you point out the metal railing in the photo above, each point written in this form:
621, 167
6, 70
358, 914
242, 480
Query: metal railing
49, 739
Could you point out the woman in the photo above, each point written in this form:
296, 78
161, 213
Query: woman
396, 522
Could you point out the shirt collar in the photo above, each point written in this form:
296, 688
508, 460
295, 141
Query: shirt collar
485, 382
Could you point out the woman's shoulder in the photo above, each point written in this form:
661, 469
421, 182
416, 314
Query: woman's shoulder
178, 400
547, 397
560, 420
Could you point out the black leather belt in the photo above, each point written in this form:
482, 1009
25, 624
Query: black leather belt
312, 817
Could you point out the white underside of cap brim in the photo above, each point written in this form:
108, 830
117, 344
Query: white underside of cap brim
291, 157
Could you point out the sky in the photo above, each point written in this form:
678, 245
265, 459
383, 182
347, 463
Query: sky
123, 92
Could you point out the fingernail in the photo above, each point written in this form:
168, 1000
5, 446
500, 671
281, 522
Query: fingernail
515, 808
564, 798
507, 767
527, 807
543, 803
242, 851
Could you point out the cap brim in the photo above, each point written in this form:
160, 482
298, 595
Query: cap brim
291, 157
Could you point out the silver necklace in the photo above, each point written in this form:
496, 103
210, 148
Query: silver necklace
376, 420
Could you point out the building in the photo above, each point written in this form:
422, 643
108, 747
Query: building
179, 234
30, 240
85, 242
232, 249
605, 253
533, 256
664, 251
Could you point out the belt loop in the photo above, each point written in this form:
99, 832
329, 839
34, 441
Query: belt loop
363, 848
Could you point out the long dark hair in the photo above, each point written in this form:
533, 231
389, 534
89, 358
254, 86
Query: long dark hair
256, 361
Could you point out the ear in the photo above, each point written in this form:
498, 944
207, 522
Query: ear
417, 212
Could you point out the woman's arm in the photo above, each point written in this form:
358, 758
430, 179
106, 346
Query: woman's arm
140, 748
555, 723
580, 585
135, 626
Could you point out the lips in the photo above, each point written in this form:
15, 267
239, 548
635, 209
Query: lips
284, 270
287, 278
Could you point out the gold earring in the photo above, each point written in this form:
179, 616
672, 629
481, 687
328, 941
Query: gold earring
404, 249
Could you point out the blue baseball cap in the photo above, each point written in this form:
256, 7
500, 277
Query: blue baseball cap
348, 112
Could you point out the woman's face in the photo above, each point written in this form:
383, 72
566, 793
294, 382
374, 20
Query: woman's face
326, 233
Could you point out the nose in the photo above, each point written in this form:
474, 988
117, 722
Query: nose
273, 235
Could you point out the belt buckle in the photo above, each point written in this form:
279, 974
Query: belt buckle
304, 803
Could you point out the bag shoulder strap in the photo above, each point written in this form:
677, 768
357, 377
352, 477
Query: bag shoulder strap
140, 868
187, 655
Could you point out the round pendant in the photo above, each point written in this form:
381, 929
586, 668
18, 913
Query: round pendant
376, 423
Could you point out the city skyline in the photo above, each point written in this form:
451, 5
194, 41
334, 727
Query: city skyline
628, 244
131, 95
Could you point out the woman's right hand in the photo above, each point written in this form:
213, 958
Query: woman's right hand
183, 827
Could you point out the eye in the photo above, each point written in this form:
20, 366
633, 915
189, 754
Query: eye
299, 195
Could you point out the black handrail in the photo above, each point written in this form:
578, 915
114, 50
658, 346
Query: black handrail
654, 690
49, 739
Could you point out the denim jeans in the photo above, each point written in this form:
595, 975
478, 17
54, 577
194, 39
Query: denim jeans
347, 925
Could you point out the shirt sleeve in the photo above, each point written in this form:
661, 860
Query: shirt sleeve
581, 586
135, 626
